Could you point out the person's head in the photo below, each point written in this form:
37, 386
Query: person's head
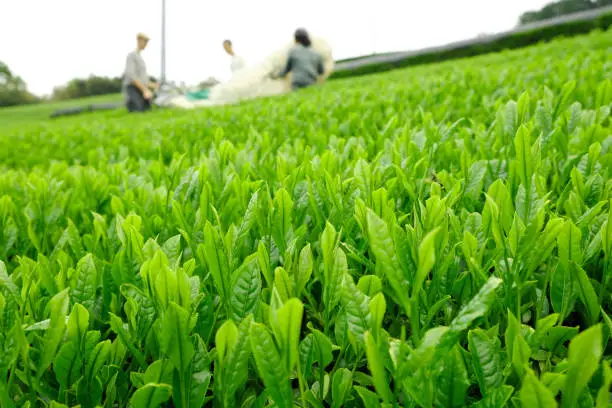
142, 40
301, 37
227, 45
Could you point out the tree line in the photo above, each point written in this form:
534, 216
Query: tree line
13, 89
561, 8
92, 86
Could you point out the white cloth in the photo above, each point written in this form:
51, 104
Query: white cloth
255, 82
237, 64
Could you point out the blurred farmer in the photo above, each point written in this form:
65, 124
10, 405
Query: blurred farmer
305, 64
137, 87
237, 62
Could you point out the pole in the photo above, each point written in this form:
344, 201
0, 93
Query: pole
373, 17
163, 43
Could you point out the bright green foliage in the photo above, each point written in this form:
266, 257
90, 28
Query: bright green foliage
433, 237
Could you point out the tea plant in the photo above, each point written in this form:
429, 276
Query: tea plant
437, 236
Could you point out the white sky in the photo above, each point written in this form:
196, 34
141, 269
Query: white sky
48, 42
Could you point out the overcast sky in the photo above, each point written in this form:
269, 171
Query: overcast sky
48, 42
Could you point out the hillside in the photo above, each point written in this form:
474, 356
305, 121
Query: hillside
434, 236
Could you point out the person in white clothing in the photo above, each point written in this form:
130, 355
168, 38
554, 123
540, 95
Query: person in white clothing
238, 62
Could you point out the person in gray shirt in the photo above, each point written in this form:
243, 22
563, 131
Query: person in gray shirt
137, 87
305, 64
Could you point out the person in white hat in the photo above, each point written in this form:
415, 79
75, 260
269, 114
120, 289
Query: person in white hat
137, 87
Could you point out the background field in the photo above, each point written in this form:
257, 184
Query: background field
433, 236
21, 115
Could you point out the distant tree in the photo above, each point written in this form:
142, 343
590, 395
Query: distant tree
13, 89
92, 86
560, 8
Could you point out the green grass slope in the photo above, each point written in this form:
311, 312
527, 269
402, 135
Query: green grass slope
20, 115
435, 236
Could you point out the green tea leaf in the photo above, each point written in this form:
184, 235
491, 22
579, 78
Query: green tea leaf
282, 216
225, 339
172, 249
246, 288
511, 118
96, 359
518, 348
486, 359
524, 159
370, 399
249, 218
477, 307
377, 368
378, 307
384, 251
270, 365
78, 322
174, 339
342, 383
475, 181
363, 179
158, 372
357, 310
569, 244
534, 394
236, 362
304, 270
586, 292
283, 284
286, 329
200, 374
452, 382
335, 268
87, 280
564, 99
315, 348
6, 281
496, 398
603, 396
117, 326
554, 382
217, 261
67, 365
585, 351
427, 258
370, 285
54, 334
151, 395
263, 258
89, 393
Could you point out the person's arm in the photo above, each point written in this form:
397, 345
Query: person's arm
320, 68
287, 69
152, 85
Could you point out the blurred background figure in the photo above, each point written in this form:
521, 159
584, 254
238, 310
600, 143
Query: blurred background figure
237, 62
303, 62
137, 87
261, 79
